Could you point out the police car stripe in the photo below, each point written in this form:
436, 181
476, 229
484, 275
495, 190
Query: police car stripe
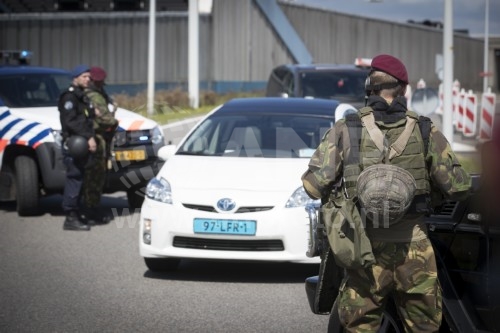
4, 115
16, 137
136, 125
36, 139
15, 130
7, 128
131, 125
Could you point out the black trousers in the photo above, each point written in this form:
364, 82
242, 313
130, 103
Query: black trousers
75, 170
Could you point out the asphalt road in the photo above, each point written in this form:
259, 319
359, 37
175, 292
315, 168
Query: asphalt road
63, 281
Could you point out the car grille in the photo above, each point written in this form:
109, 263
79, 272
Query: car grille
240, 210
132, 138
229, 245
446, 210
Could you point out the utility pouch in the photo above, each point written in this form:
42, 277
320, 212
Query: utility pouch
350, 245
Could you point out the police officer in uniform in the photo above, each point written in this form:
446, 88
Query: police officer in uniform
77, 117
405, 265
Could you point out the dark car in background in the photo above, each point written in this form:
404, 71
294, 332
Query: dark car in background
344, 83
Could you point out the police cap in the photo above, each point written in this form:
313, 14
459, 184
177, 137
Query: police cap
79, 70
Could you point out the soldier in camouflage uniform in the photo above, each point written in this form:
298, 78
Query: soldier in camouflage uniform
105, 125
405, 263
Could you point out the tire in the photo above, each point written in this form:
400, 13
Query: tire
135, 197
162, 264
390, 320
27, 186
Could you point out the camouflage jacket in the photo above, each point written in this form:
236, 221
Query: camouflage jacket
106, 121
447, 177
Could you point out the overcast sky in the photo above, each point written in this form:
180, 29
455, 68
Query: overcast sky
467, 14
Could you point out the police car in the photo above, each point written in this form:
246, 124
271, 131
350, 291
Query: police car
30, 138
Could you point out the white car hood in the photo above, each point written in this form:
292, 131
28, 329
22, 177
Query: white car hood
248, 181
49, 116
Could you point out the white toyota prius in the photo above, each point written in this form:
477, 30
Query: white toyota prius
232, 189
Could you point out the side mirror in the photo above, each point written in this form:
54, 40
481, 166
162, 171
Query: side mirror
343, 109
167, 151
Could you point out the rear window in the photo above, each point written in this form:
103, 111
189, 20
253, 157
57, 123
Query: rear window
339, 85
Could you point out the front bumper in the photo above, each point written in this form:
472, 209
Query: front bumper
281, 235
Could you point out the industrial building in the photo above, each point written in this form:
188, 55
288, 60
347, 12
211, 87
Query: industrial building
239, 41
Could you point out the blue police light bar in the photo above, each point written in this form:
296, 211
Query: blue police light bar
20, 57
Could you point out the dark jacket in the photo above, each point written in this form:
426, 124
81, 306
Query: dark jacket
76, 113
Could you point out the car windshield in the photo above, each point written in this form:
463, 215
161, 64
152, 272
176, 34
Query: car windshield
257, 135
344, 86
32, 90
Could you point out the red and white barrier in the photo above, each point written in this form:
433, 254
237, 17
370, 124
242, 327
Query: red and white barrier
455, 101
488, 101
469, 114
459, 110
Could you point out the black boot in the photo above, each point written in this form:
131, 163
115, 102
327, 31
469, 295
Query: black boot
95, 216
73, 222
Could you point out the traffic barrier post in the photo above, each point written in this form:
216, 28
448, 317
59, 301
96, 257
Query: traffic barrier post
455, 102
488, 102
459, 111
469, 114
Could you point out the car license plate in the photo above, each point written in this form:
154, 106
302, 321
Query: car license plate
226, 227
130, 155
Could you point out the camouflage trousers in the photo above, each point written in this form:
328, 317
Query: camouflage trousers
408, 272
95, 175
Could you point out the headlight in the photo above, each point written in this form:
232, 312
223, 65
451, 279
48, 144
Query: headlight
157, 136
299, 198
120, 138
159, 190
57, 137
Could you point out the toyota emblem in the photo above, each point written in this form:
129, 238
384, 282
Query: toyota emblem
226, 204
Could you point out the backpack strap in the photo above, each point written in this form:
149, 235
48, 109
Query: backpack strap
352, 158
354, 127
399, 145
396, 149
375, 133
425, 130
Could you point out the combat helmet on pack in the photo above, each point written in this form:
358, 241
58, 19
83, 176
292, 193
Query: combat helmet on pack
385, 192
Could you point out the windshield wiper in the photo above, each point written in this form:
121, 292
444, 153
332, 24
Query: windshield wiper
191, 153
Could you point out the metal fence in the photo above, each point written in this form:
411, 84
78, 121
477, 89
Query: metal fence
238, 46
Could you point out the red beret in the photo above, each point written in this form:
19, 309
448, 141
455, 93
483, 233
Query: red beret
97, 73
390, 65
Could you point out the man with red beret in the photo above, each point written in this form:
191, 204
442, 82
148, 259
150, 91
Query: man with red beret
394, 166
105, 125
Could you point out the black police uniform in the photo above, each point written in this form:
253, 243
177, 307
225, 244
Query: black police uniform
77, 117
